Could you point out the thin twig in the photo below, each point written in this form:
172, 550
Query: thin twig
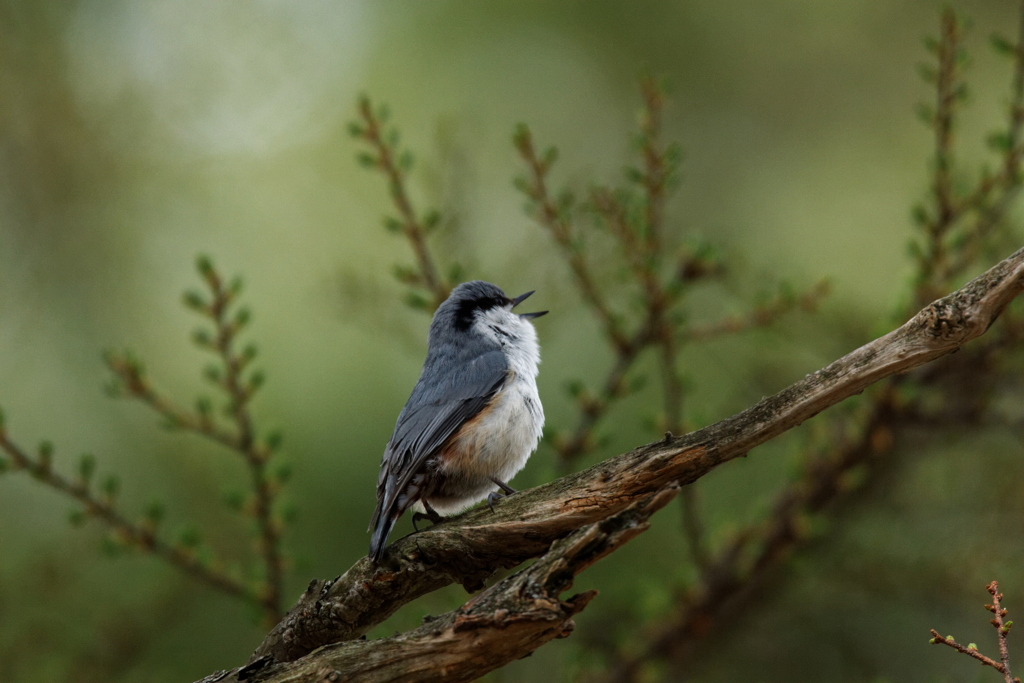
937, 639
394, 166
552, 217
1002, 629
239, 390
762, 316
992, 196
695, 614
641, 238
256, 456
141, 536
995, 192
656, 166
594, 409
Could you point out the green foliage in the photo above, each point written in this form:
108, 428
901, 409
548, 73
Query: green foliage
692, 271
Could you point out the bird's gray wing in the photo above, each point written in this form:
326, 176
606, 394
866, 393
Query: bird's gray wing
430, 417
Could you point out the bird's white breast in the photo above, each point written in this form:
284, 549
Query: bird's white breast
508, 433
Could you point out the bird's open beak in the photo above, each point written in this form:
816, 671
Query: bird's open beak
519, 299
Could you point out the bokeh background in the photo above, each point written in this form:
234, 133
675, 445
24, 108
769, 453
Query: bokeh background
135, 135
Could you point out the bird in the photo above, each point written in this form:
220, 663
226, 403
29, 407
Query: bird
473, 418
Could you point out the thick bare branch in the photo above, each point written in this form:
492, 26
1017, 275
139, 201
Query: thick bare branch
504, 623
469, 548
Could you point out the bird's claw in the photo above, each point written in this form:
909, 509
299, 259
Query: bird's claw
430, 514
493, 496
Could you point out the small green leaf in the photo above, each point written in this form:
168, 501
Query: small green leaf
355, 130
242, 317
194, 300
920, 214
190, 537
367, 160
1000, 142
456, 273
550, 157
925, 113
46, 455
204, 265
256, 380
394, 225
287, 512
928, 73
87, 467
77, 518
235, 499
633, 174
575, 387
283, 472
521, 137
274, 439
112, 546
406, 274
416, 300
204, 406
155, 512
406, 160
1002, 45
431, 220
212, 373
566, 200
249, 352
111, 486
201, 337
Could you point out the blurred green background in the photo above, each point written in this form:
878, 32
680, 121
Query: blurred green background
134, 135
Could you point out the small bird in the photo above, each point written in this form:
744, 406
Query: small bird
474, 416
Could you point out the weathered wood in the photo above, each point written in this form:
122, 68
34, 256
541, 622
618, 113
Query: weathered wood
470, 547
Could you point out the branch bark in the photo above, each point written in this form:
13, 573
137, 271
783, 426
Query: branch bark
469, 548
512, 618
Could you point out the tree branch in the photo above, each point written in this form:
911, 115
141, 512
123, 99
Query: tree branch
239, 386
1002, 629
470, 547
137, 535
504, 623
395, 166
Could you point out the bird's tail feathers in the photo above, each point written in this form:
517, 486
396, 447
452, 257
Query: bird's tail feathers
382, 524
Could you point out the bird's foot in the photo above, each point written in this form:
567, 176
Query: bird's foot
494, 496
430, 514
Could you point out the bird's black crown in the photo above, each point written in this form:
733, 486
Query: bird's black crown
470, 297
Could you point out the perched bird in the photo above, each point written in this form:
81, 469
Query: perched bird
474, 416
